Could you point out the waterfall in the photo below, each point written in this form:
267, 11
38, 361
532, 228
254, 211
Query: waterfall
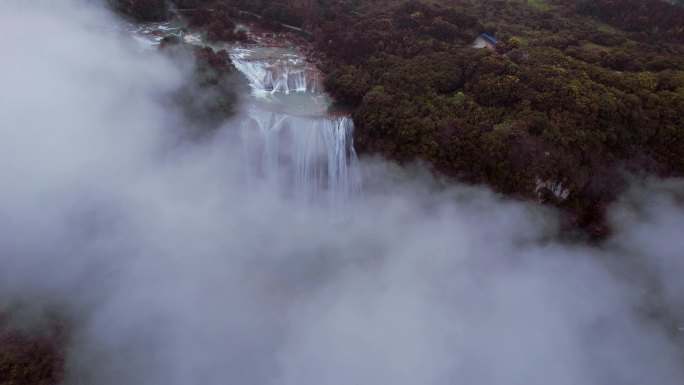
308, 155
310, 158
271, 70
288, 138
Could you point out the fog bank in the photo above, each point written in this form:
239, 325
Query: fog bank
170, 270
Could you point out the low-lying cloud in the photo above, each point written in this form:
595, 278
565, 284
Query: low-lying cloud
170, 271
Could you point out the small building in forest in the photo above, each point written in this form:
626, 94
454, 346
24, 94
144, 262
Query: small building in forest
485, 41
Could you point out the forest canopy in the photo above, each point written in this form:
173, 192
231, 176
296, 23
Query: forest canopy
575, 96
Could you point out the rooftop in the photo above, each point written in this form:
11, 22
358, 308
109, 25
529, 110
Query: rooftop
489, 38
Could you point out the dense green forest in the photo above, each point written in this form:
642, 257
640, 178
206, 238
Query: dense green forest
576, 96
566, 97
30, 360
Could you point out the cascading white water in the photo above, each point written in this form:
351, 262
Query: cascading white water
288, 137
311, 158
271, 70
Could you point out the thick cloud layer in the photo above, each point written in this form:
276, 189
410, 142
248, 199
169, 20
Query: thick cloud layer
170, 271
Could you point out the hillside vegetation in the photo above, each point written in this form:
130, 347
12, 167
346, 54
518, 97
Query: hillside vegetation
566, 102
30, 360
578, 94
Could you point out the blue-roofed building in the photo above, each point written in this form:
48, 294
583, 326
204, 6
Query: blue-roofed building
489, 38
485, 41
